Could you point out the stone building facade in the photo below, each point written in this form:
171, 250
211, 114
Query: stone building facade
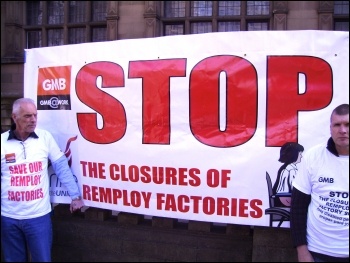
96, 234
129, 20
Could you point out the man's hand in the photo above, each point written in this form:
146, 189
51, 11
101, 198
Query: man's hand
76, 205
304, 254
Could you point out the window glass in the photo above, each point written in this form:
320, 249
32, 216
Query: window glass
55, 12
174, 8
258, 7
77, 11
176, 29
99, 34
201, 27
55, 37
33, 39
34, 13
229, 26
255, 26
76, 35
99, 10
215, 16
229, 8
341, 25
341, 15
201, 8
51, 31
341, 7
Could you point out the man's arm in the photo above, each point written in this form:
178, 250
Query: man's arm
64, 174
298, 220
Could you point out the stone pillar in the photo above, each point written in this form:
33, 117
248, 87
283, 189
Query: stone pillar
280, 11
325, 17
152, 22
12, 49
112, 20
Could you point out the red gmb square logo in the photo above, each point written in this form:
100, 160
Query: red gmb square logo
54, 81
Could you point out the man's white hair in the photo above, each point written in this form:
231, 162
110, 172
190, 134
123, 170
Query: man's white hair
17, 104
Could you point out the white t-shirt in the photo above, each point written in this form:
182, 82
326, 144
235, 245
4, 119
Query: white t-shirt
24, 175
325, 177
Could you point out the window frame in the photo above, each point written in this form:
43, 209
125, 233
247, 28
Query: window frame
340, 18
44, 26
243, 18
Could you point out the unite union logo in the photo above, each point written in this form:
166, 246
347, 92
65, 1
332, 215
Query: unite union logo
55, 184
54, 88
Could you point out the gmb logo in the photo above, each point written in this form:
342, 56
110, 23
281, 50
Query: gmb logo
54, 102
54, 84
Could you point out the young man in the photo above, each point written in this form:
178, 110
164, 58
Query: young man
320, 197
25, 200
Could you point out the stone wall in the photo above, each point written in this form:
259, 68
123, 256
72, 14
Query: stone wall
97, 235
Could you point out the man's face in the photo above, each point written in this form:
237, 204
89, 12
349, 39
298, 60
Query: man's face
26, 118
340, 130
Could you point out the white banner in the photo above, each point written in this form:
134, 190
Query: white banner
188, 126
